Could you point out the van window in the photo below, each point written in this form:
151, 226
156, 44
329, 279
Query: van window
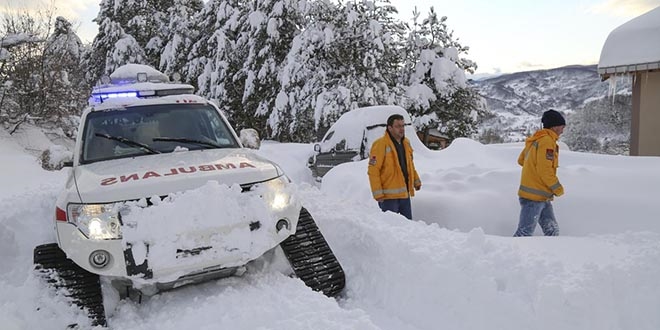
328, 136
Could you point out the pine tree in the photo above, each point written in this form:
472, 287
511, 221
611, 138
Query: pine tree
147, 24
273, 25
180, 32
303, 77
130, 31
437, 94
216, 55
346, 58
362, 59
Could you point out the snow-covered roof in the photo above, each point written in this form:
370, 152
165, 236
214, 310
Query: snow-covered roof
633, 46
132, 81
129, 73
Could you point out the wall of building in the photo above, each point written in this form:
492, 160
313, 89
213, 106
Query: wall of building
645, 135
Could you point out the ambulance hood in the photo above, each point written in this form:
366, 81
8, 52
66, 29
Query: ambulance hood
161, 174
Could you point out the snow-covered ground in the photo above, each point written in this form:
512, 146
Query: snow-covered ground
454, 267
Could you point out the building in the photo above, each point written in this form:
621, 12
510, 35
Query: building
634, 49
433, 140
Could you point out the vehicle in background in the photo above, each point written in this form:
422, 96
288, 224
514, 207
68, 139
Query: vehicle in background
350, 137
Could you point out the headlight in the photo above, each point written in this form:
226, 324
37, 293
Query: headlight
278, 195
96, 221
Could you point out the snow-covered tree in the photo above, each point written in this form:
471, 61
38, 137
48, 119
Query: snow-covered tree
67, 90
344, 58
180, 32
130, 31
290, 68
272, 26
216, 56
303, 76
433, 77
22, 37
148, 24
601, 126
40, 70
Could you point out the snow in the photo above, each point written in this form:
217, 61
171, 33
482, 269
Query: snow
129, 73
159, 227
634, 42
455, 266
13, 39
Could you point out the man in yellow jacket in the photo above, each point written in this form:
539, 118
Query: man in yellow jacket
538, 181
391, 170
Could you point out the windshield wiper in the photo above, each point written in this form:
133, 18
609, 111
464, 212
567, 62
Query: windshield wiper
129, 142
187, 140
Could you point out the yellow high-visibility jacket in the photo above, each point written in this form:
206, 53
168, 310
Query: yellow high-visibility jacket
540, 159
385, 174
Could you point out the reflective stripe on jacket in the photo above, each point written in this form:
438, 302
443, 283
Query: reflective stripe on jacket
540, 159
385, 175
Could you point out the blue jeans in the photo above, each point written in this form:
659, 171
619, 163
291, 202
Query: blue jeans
400, 205
532, 212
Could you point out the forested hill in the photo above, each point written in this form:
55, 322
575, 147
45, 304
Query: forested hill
517, 101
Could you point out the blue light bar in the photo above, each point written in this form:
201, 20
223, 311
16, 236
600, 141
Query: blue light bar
120, 94
100, 97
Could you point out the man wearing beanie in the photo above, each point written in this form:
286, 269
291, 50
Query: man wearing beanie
538, 181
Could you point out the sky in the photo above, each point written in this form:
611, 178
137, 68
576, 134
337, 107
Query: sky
504, 36
455, 266
516, 35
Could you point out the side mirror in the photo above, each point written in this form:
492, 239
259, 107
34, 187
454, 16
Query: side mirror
250, 138
55, 158
317, 147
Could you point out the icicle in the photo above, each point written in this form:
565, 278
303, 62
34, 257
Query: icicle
612, 90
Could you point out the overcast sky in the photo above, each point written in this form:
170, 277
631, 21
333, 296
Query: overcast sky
503, 35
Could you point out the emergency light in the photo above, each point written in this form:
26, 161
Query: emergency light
141, 87
103, 96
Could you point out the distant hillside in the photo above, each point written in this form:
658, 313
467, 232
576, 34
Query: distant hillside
517, 100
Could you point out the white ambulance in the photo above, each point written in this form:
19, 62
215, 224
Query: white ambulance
143, 137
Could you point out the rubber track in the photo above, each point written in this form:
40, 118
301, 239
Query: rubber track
312, 259
83, 287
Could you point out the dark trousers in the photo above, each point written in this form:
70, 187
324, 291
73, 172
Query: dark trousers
400, 205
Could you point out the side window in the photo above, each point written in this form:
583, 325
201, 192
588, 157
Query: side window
341, 146
219, 129
329, 136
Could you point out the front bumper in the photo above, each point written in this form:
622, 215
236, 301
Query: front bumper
142, 263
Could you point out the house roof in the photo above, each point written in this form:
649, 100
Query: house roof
435, 132
633, 46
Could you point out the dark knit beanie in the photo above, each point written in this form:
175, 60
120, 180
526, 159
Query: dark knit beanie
552, 118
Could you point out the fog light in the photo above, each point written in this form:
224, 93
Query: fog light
99, 258
282, 223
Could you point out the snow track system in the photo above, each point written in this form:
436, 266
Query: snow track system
307, 251
311, 258
83, 287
